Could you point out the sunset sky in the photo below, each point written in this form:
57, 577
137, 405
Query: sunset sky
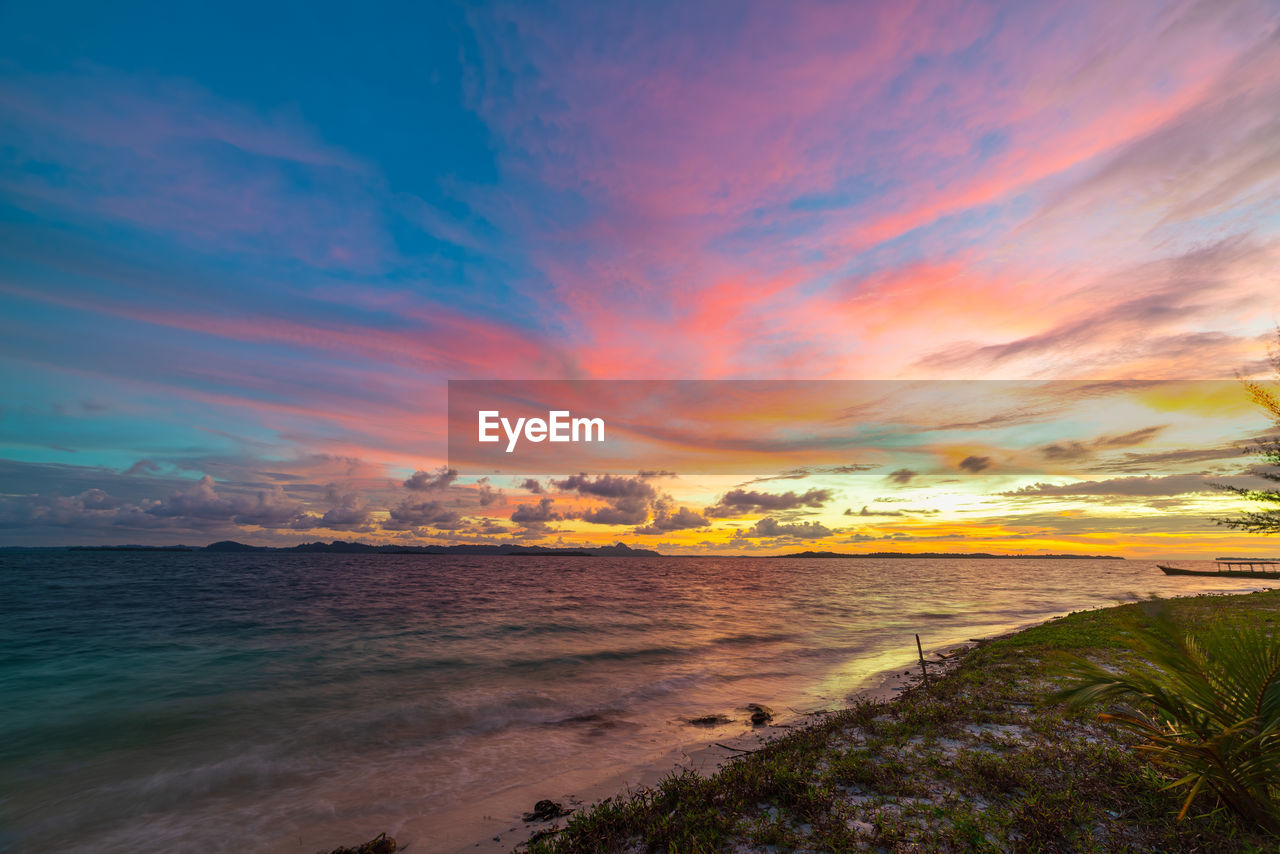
244, 248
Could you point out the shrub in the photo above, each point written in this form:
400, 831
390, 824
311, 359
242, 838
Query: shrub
1206, 704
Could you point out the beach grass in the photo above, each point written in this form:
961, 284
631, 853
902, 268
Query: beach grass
981, 760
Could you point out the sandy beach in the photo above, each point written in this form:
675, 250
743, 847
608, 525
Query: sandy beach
707, 750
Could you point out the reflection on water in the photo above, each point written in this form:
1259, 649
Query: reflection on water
170, 701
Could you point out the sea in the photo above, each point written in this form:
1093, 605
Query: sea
264, 702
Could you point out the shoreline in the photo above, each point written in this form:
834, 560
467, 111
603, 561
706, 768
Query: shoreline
897, 692
704, 756
588, 694
707, 756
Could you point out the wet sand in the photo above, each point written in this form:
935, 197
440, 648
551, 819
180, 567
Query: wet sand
707, 749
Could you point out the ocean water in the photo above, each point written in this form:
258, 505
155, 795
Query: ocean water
289, 702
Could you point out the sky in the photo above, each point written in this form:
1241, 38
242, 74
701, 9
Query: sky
244, 248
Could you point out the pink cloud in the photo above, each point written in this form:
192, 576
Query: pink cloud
683, 149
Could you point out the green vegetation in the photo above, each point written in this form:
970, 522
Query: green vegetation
1262, 521
978, 762
1208, 706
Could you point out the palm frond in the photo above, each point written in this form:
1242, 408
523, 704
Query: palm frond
1206, 705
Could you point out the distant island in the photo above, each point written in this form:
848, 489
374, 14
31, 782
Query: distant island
344, 547
951, 555
513, 550
503, 549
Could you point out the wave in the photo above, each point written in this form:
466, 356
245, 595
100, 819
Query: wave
748, 639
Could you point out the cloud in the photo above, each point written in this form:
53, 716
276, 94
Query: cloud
349, 513
92, 509
724, 188
737, 502
607, 486
1075, 450
266, 507
791, 474
1126, 440
665, 519
143, 466
901, 476
535, 515
486, 494
624, 512
865, 512
97, 499
410, 514
771, 527
1060, 451
195, 507
530, 484
1176, 484
763, 193
1152, 311
170, 158
803, 472
974, 464
441, 478
1218, 154
1147, 462
629, 498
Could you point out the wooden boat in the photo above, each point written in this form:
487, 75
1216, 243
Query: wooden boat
1227, 567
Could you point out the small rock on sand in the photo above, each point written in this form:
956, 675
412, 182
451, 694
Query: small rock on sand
546, 810
759, 714
710, 720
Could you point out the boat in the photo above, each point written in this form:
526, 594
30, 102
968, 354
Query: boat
1227, 567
